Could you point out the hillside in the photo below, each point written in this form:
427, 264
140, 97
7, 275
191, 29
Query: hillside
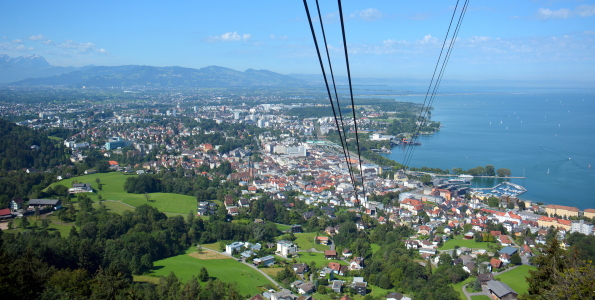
148, 76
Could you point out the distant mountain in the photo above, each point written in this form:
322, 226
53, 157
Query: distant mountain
32, 66
133, 75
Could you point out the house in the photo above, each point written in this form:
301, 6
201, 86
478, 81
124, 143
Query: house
305, 288
347, 253
231, 248
508, 250
55, 204
357, 263
337, 286
500, 290
321, 240
330, 254
485, 277
397, 296
113, 164
80, 188
469, 267
286, 248
360, 287
336, 267
16, 203
5, 214
297, 229
282, 295
505, 240
266, 261
496, 263
300, 268
233, 211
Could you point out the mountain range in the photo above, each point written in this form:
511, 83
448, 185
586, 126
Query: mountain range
35, 70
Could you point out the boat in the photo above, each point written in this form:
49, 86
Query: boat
459, 181
466, 176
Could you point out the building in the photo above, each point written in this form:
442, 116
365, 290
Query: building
501, 291
80, 188
330, 254
16, 203
337, 286
115, 143
561, 210
46, 203
589, 213
286, 248
5, 214
231, 248
266, 261
582, 227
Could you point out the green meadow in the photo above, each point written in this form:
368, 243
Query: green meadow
461, 242
228, 270
517, 278
112, 188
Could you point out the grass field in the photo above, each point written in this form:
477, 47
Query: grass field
318, 258
282, 227
459, 286
213, 246
516, 278
114, 206
228, 270
113, 189
459, 241
305, 241
374, 247
272, 271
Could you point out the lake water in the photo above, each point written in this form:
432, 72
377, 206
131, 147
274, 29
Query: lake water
547, 137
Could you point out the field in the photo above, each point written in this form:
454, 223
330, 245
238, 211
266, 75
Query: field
113, 189
318, 258
282, 227
305, 241
459, 241
228, 270
516, 278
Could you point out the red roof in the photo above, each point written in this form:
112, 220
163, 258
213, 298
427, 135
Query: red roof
112, 163
4, 212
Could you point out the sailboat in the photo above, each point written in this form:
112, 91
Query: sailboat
548, 170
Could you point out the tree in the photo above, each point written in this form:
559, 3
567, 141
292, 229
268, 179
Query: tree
490, 170
203, 275
425, 179
560, 275
503, 172
24, 222
45, 223
493, 202
515, 259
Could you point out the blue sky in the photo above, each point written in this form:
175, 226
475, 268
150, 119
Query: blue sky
509, 40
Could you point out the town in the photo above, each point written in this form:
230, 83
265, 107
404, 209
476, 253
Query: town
281, 153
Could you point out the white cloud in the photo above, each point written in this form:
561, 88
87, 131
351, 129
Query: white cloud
479, 39
428, 39
17, 41
38, 37
370, 14
80, 48
585, 10
48, 42
582, 11
278, 37
230, 37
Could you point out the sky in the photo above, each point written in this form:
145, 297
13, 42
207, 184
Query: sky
498, 40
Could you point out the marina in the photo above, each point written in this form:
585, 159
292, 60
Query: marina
504, 189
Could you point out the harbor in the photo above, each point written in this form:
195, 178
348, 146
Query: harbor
504, 189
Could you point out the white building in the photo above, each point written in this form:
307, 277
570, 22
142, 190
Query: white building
582, 227
286, 248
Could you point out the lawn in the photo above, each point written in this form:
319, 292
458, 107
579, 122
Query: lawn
459, 286
318, 258
114, 206
374, 247
482, 297
113, 189
227, 270
459, 241
282, 227
516, 278
272, 271
305, 241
